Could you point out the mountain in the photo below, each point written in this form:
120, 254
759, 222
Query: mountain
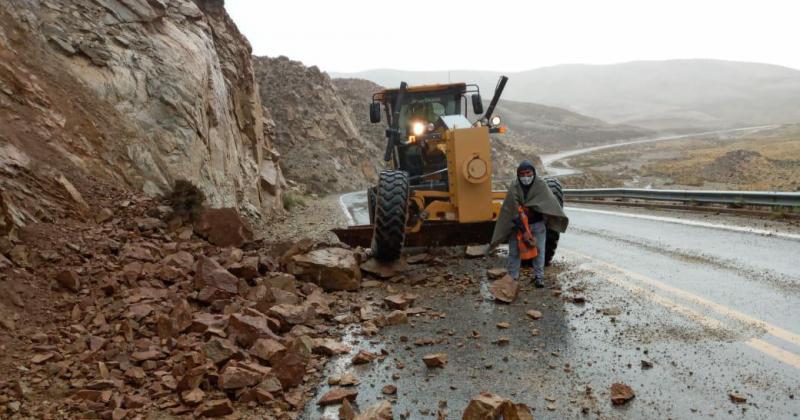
531, 127
664, 95
548, 129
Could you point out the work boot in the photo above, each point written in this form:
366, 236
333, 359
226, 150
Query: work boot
538, 282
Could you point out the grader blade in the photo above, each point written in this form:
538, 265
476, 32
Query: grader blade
433, 234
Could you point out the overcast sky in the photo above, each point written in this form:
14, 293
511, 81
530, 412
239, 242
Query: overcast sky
350, 35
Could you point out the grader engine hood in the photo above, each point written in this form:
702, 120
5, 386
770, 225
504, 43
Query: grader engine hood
469, 166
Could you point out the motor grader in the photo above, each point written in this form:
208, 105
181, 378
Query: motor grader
437, 190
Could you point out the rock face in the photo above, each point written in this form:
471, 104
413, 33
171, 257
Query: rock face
314, 128
142, 92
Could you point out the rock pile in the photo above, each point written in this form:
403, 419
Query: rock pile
150, 318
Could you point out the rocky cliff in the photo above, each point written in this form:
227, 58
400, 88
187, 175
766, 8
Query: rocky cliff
129, 92
323, 147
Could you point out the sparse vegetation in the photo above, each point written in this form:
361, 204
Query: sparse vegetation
759, 161
292, 200
186, 200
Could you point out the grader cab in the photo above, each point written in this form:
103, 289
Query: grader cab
438, 190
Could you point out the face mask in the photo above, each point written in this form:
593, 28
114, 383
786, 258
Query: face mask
526, 180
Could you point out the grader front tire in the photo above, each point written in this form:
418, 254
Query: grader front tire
391, 211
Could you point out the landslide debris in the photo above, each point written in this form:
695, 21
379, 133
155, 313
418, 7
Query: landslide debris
141, 316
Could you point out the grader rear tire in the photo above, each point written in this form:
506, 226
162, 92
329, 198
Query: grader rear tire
391, 210
551, 243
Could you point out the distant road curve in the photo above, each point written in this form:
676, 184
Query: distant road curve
550, 159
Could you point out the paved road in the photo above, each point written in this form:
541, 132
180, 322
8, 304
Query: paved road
711, 303
549, 160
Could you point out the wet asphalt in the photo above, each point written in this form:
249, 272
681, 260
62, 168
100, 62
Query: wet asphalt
713, 310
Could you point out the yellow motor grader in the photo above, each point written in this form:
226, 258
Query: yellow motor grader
438, 190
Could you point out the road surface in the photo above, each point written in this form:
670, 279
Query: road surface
712, 303
565, 169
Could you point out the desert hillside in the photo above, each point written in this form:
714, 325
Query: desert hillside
321, 143
672, 94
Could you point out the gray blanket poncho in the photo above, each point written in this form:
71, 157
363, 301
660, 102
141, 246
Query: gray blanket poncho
540, 199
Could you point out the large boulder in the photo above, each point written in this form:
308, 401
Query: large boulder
332, 268
223, 227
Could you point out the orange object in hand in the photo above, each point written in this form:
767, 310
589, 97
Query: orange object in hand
525, 239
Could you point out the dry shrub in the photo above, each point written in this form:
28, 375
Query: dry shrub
186, 200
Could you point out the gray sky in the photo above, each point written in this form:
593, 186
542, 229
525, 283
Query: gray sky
351, 35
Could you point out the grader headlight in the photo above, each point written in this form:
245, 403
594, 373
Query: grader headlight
418, 128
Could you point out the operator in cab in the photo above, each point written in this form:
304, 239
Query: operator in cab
529, 209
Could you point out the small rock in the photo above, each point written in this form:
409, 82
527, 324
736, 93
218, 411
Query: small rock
214, 408
621, 393
496, 273
488, 406
69, 280
396, 318
104, 215
267, 349
193, 396
337, 395
505, 290
346, 411
436, 360
234, 377
646, 364
330, 347
400, 301
389, 390
737, 398
363, 357
476, 251
379, 411
219, 350
578, 299
503, 325
534, 314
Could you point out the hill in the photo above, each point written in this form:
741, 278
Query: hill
533, 127
671, 94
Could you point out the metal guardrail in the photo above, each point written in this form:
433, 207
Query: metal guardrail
755, 198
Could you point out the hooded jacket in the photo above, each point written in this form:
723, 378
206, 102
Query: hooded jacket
539, 198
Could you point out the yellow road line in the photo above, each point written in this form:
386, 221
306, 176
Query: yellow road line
758, 344
776, 352
724, 310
